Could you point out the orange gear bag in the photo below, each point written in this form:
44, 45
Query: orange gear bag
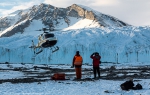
78, 60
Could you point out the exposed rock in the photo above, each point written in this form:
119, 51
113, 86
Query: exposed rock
74, 9
18, 29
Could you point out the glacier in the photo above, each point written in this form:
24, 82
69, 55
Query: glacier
116, 45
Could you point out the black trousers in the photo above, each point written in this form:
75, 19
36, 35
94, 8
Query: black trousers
96, 70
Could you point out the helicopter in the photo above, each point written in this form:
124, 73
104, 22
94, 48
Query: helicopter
45, 40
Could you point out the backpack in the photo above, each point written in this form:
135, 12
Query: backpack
78, 60
58, 76
138, 86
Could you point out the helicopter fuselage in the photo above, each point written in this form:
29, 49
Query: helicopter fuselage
47, 40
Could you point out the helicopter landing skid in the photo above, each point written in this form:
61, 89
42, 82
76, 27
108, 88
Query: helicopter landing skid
56, 48
39, 52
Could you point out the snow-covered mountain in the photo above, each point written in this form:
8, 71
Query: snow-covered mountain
60, 18
78, 28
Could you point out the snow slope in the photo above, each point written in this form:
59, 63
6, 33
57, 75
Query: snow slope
100, 87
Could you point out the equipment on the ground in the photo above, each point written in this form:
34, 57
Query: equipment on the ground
58, 76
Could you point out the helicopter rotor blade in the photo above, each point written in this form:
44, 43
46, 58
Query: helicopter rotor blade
46, 30
39, 30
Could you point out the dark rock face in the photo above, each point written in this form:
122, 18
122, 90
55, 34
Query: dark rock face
18, 29
51, 15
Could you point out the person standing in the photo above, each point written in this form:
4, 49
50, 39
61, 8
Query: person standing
77, 62
96, 61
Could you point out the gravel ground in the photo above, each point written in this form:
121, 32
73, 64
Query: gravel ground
38, 73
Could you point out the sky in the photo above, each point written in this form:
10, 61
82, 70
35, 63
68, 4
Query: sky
134, 12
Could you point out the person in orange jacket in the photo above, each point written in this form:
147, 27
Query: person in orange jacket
96, 61
77, 62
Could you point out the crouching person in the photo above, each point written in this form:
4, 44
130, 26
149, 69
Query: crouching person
130, 85
127, 85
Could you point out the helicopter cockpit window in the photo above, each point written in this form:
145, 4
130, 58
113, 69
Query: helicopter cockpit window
49, 35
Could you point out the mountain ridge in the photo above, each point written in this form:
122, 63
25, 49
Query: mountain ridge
49, 14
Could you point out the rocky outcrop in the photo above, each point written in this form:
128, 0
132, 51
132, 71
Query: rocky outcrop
76, 10
80, 11
4, 23
19, 29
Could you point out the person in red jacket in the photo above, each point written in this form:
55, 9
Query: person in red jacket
96, 61
77, 62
